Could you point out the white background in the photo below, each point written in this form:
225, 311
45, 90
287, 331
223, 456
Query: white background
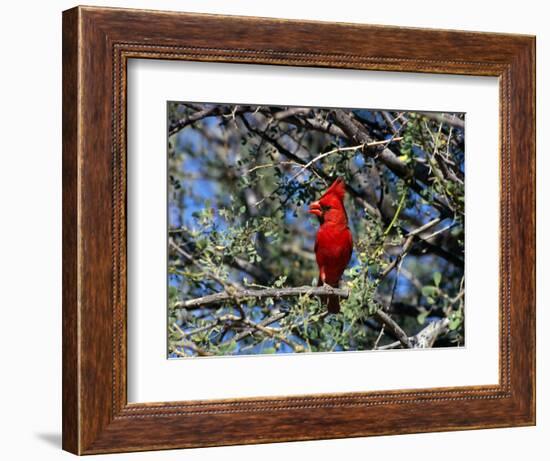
30, 243
151, 377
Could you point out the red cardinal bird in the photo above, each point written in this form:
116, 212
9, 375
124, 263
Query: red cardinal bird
334, 244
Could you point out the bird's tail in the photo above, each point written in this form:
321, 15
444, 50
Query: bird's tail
333, 305
332, 302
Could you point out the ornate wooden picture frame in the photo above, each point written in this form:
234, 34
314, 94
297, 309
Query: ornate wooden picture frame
97, 44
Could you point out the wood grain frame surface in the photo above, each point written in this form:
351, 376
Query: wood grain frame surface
97, 44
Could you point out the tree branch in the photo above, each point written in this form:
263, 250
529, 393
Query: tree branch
444, 118
185, 121
204, 112
240, 295
407, 244
281, 148
259, 274
425, 338
394, 329
356, 132
266, 322
191, 259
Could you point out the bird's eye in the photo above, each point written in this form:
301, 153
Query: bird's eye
325, 207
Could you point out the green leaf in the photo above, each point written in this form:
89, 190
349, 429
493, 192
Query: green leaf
280, 281
454, 323
437, 278
421, 318
429, 290
456, 320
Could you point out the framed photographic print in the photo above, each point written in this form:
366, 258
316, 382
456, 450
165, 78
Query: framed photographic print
281, 230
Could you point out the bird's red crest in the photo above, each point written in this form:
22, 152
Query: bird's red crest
337, 188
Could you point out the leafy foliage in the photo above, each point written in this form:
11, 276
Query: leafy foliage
240, 179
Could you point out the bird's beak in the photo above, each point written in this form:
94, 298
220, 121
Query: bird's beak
315, 208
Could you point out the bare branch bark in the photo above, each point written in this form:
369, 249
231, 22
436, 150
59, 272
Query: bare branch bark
192, 346
290, 112
318, 125
393, 328
276, 293
425, 338
444, 118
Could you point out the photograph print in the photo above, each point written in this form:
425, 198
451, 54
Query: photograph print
313, 229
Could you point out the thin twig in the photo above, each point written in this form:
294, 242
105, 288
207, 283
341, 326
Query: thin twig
192, 260
407, 244
282, 149
266, 322
440, 231
424, 227
273, 333
379, 337
356, 131
188, 344
342, 149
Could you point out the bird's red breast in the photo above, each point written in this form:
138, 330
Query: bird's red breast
333, 248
